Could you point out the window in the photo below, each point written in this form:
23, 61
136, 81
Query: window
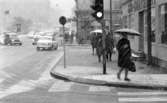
124, 21
163, 23
153, 24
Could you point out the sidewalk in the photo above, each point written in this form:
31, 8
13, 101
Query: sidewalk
83, 67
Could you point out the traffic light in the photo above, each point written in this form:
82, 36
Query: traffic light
98, 10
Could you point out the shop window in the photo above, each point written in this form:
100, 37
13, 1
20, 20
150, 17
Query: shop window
163, 23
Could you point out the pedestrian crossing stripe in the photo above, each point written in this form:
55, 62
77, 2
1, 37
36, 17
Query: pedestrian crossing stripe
61, 86
144, 99
141, 93
21, 87
99, 89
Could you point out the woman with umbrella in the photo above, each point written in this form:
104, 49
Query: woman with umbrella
124, 56
124, 52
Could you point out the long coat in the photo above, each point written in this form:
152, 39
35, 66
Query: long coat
124, 53
94, 40
99, 48
109, 43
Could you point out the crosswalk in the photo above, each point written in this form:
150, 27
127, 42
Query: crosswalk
59, 86
62, 86
143, 96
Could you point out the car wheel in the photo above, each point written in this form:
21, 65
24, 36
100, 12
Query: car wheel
20, 43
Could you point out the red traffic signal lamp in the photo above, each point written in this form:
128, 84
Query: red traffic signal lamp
98, 10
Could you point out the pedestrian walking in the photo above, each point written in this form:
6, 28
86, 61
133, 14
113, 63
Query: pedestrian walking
109, 47
124, 56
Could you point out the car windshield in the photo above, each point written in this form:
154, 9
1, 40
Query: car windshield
45, 38
13, 36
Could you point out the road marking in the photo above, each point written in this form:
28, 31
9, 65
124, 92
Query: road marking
21, 87
140, 93
99, 89
61, 86
145, 99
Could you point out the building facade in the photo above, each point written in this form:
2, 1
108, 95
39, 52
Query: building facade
134, 15
87, 23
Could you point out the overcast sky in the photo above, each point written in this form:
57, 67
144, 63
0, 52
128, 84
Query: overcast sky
65, 6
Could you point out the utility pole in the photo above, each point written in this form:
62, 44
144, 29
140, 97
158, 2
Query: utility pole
149, 44
77, 16
111, 18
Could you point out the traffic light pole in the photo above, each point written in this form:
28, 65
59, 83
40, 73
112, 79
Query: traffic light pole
104, 46
149, 44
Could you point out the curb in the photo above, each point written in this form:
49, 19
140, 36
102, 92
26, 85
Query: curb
56, 62
105, 83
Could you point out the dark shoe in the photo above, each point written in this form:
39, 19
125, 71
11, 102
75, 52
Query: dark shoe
127, 79
118, 76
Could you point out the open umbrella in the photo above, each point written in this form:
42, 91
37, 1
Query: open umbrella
96, 31
128, 32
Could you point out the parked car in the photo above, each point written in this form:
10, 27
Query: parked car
47, 42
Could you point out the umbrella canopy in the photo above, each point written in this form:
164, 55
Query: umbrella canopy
128, 32
96, 31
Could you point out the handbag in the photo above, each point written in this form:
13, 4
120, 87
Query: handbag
132, 66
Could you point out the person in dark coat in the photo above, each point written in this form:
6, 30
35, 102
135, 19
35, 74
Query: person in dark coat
99, 48
93, 40
109, 46
124, 56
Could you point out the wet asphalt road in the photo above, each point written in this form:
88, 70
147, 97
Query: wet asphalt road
25, 78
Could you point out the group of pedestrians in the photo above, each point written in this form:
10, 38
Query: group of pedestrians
123, 48
97, 45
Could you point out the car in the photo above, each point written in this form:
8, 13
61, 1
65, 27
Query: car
36, 37
11, 38
31, 34
15, 40
47, 42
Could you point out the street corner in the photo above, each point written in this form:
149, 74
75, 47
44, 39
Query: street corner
56, 61
77, 74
